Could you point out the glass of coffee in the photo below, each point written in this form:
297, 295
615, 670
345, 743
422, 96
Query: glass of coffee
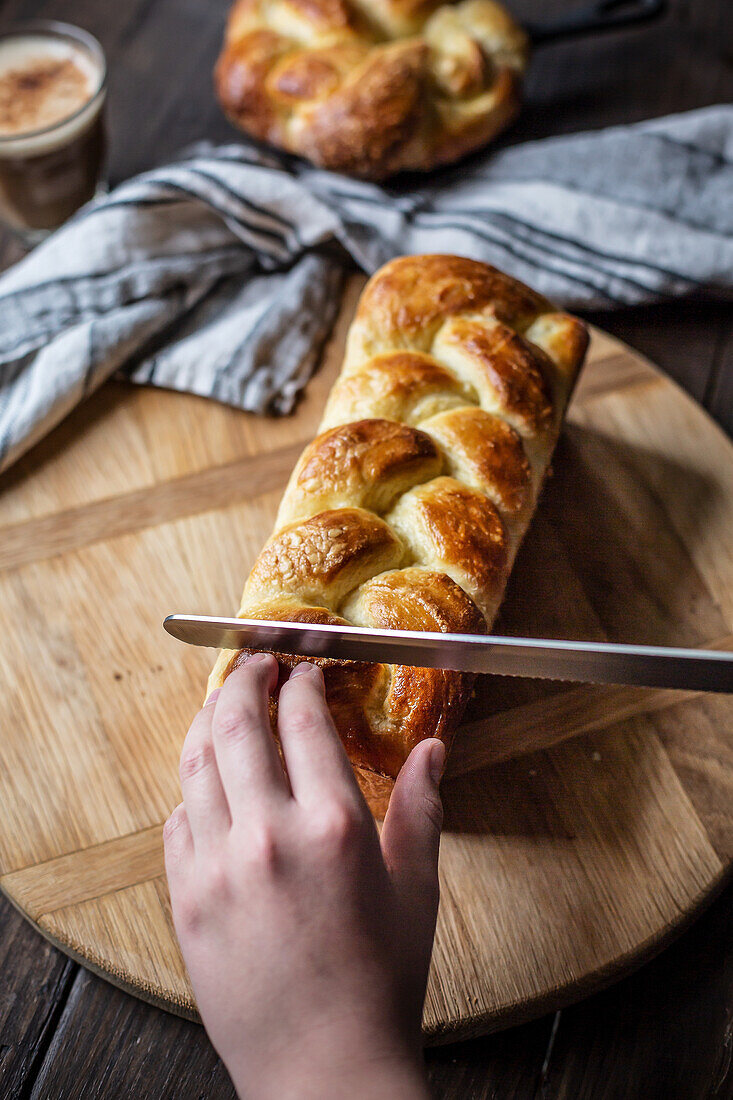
53, 81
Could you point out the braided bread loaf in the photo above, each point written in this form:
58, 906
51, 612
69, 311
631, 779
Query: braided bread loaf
372, 87
407, 509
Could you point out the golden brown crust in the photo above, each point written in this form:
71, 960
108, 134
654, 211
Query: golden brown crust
426, 599
411, 517
368, 463
241, 73
508, 373
404, 385
468, 131
414, 295
362, 128
325, 556
458, 531
484, 452
372, 87
563, 338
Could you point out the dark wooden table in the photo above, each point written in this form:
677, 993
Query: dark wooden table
665, 1032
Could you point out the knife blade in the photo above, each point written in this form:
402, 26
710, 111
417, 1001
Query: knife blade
544, 658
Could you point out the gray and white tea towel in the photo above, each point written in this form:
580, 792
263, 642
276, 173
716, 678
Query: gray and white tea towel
218, 274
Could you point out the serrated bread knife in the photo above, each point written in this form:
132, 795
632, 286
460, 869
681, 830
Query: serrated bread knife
544, 658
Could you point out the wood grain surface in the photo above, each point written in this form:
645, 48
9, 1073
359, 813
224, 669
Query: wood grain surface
559, 868
664, 1031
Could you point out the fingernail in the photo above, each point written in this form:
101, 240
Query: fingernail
437, 760
256, 658
304, 666
213, 697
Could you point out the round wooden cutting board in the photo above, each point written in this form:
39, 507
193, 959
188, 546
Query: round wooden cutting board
561, 867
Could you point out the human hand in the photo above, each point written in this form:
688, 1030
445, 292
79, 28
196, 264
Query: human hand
307, 937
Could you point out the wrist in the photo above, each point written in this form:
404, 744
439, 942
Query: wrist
370, 1080
333, 1071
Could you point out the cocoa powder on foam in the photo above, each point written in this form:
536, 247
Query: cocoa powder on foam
44, 91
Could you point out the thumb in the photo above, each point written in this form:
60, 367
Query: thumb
411, 832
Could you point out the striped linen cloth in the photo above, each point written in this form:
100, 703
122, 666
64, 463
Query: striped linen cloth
220, 274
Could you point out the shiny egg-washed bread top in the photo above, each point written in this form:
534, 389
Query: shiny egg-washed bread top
372, 87
407, 509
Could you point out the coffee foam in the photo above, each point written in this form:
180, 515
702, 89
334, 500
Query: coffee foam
44, 80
